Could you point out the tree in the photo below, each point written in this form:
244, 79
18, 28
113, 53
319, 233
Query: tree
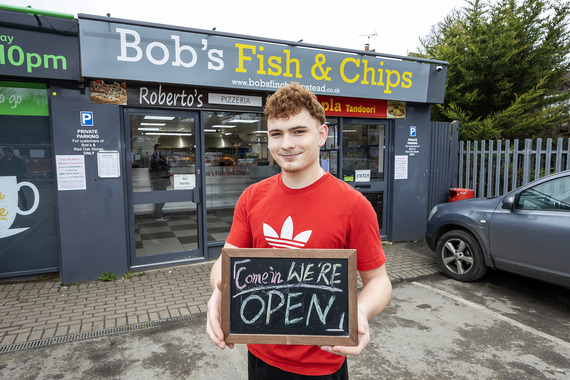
508, 72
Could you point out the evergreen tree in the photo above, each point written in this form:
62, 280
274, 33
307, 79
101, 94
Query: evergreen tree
509, 68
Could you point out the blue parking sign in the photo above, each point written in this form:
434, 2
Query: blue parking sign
86, 118
412, 131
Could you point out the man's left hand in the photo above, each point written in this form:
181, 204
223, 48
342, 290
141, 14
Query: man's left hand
363, 340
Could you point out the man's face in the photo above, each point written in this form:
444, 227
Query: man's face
295, 142
8, 154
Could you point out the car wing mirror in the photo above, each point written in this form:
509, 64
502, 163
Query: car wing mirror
509, 203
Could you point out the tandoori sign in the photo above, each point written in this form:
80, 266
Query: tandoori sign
134, 52
354, 107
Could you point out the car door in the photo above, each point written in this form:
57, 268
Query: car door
533, 238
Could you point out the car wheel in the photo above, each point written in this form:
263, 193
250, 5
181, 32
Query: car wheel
460, 257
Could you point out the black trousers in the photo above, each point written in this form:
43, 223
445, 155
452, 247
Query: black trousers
259, 370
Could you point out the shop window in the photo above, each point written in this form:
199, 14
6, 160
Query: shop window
236, 157
363, 149
329, 152
28, 231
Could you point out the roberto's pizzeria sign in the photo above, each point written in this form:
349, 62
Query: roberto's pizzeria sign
187, 56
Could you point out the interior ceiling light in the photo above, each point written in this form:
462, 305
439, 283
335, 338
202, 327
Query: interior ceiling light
167, 134
259, 131
154, 124
149, 129
159, 117
242, 121
224, 126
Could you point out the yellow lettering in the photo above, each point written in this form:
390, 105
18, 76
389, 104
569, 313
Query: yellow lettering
274, 63
260, 70
288, 63
366, 70
381, 75
389, 82
242, 57
343, 63
407, 78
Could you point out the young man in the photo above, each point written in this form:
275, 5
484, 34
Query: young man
330, 214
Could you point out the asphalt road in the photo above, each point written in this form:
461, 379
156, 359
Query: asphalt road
501, 327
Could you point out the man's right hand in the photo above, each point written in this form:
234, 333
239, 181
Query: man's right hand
214, 325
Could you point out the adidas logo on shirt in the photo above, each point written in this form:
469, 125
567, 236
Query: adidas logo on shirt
285, 239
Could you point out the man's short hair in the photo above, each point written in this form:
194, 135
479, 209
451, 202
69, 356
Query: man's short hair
8, 149
290, 100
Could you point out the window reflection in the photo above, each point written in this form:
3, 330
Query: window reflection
363, 149
236, 157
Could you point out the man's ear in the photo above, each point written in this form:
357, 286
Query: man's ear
323, 134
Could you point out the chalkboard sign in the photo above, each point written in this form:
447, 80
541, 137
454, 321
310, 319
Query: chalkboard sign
289, 296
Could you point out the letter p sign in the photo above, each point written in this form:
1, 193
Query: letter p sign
86, 118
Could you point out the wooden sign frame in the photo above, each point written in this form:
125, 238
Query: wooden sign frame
351, 339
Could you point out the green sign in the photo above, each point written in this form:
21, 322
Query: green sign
23, 99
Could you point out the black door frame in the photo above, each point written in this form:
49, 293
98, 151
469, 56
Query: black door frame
194, 195
374, 186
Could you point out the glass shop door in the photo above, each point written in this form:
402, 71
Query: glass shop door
164, 186
365, 162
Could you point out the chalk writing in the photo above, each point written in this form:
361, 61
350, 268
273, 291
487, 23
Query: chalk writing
284, 296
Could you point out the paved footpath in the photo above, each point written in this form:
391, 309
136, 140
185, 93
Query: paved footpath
43, 312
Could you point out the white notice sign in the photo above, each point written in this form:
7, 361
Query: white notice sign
108, 164
184, 181
362, 175
401, 167
70, 170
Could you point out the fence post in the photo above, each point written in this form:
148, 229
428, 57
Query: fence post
568, 155
461, 153
548, 156
537, 160
475, 165
559, 143
498, 169
515, 164
526, 161
468, 166
507, 164
490, 169
482, 170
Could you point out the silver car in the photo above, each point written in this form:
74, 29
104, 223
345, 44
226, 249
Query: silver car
526, 231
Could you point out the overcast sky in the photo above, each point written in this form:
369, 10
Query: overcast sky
398, 23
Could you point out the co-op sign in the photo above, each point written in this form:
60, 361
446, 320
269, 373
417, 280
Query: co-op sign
129, 52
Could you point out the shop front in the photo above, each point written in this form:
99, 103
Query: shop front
151, 147
31, 57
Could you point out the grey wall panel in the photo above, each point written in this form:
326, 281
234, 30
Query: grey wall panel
92, 222
410, 196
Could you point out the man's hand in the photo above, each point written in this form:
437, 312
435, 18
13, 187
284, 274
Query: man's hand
213, 324
363, 339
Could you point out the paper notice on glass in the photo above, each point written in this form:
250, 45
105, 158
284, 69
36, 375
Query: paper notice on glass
108, 164
70, 170
184, 181
362, 175
401, 167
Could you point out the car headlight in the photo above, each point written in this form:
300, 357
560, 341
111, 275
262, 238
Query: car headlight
432, 212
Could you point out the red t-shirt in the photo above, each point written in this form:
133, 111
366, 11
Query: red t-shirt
327, 214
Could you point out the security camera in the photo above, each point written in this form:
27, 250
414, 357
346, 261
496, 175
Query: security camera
439, 68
